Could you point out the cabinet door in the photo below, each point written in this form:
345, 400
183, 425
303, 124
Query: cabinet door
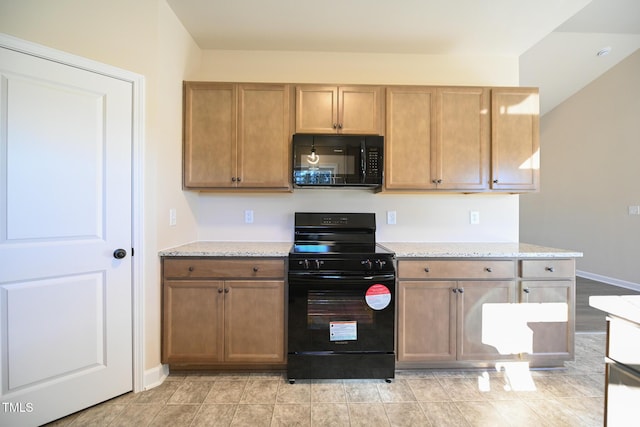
484, 320
263, 136
550, 317
515, 139
192, 321
254, 321
316, 109
409, 138
209, 135
461, 159
359, 110
426, 321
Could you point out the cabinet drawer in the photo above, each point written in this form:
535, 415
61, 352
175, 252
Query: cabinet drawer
188, 267
551, 268
623, 342
441, 269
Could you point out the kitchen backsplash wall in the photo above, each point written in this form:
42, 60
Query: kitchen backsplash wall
419, 217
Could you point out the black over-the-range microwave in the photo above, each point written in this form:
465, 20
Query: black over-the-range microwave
338, 160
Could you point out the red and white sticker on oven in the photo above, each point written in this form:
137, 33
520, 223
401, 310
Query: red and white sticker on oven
378, 297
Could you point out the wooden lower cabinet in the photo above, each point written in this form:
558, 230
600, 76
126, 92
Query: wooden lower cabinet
445, 321
548, 287
483, 311
223, 322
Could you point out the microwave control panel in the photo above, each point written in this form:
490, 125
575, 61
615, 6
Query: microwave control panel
373, 161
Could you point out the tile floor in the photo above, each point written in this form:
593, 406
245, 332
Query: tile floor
572, 396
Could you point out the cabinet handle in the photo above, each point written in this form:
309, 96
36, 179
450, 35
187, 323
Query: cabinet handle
255, 269
426, 269
219, 290
488, 269
226, 290
526, 290
549, 269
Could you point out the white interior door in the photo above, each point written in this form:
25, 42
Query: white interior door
65, 207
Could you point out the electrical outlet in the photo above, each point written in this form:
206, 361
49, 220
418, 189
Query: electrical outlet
248, 217
474, 217
391, 217
172, 217
634, 210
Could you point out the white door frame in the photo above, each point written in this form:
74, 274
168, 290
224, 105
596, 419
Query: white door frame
137, 136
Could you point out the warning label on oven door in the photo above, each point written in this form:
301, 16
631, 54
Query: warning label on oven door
378, 297
343, 331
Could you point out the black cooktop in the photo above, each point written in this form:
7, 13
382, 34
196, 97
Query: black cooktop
339, 248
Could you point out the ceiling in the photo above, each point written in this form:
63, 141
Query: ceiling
556, 41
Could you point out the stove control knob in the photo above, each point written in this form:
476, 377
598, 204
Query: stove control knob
380, 263
368, 265
318, 264
304, 263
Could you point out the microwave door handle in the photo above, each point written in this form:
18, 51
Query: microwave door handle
363, 161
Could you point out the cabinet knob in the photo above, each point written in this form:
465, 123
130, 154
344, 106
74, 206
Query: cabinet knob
526, 290
239, 179
461, 290
335, 126
495, 181
454, 290
255, 269
191, 268
426, 269
488, 269
339, 125
233, 179
226, 290
549, 269
219, 290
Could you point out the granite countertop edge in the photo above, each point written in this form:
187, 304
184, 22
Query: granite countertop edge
402, 250
623, 306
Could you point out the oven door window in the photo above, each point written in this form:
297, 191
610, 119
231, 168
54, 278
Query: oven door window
325, 309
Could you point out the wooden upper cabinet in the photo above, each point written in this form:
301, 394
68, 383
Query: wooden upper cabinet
437, 138
236, 136
461, 151
339, 109
515, 138
409, 138
209, 134
263, 136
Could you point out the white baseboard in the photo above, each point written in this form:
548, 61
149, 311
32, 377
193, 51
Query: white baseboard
609, 280
155, 376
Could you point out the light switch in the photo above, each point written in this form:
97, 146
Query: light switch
172, 217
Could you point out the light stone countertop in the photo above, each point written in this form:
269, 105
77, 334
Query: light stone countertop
623, 306
237, 249
476, 250
402, 250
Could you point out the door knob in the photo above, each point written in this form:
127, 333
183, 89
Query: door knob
119, 253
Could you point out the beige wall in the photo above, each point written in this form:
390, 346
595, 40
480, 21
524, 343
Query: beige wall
590, 162
145, 37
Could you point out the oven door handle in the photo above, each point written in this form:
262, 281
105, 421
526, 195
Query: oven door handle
329, 276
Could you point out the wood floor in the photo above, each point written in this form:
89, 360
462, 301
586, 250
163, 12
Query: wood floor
589, 319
